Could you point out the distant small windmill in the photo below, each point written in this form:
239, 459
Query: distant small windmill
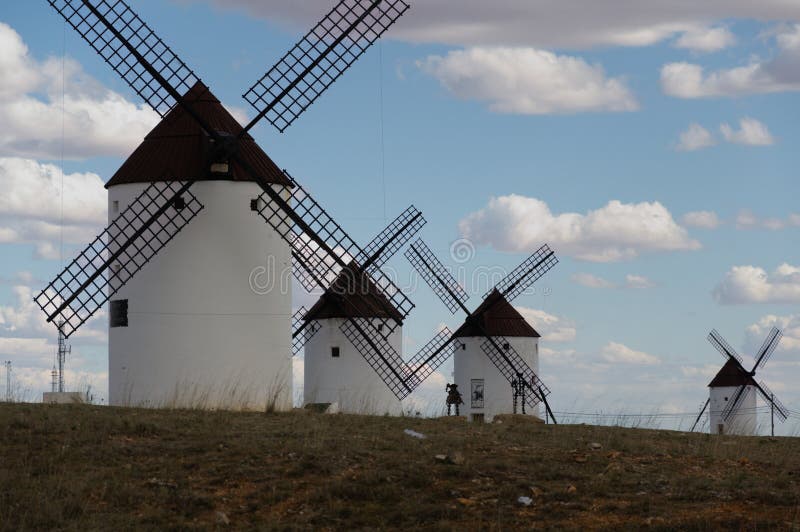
336, 372
732, 397
494, 331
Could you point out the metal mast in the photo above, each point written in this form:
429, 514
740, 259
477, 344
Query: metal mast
63, 351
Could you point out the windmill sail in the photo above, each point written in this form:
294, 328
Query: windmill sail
320, 58
436, 275
527, 273
392, 239
768, 347
723, 346
137, 235
770, 398
131, 48
379, 354
302, 330
513, 367
431, 356
323, 258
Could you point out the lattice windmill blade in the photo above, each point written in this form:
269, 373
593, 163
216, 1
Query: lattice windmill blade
320, 58
767, 348
379, 354
511, 365
527, 273
723, 346
131, 48
143, 229
324, 257
771, 399
302, 330
392, 239
742, 392
431, 356
436, 275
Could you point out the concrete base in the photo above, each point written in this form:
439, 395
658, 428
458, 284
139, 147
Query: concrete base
63, 398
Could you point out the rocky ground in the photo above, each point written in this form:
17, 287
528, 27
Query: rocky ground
87, 467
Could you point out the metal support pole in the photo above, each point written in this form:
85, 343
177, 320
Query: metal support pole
772, 413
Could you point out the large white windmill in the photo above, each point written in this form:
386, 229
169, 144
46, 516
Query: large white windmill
186, 328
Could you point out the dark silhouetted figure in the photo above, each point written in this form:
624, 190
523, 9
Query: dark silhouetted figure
453, 397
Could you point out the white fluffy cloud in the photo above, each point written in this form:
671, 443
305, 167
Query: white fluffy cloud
615, 232
751, 132
705, 39
31, 206
591, 281
617, 353
634, 282
747, 219
638, 282
696, 137
701, 219
779, 74
528, 81
751, 284
96, 120
790, 325
24, 319
542, 23
552, 328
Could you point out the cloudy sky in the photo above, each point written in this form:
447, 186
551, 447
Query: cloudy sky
650, 144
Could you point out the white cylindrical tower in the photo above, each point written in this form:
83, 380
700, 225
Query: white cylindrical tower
723, 389
335, 372
189, 330
484, 389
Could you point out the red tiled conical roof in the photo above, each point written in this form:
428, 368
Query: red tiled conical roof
177, 148
498, 318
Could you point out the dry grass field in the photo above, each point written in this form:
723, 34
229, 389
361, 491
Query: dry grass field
81, 467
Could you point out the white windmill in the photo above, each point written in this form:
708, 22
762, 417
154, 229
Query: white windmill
496, 353
336, 371
732, 406
186, 327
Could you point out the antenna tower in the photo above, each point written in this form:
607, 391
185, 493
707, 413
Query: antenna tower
63, 351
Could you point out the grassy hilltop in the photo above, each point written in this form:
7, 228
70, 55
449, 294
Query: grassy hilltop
84, 467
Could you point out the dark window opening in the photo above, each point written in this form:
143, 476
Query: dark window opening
506, 346
179, 203
254, 205
119, 313
726, 398
335, 352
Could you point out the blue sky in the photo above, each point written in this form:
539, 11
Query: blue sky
571, 114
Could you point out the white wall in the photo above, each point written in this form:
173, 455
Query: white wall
743, 422
472, 363
198, 335
349, 381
